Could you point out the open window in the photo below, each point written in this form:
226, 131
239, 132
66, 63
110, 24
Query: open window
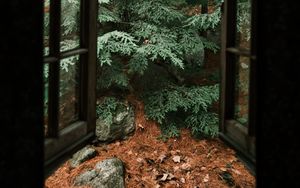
238, 62
69, 74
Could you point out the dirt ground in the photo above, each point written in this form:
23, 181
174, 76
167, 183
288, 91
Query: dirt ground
152, 163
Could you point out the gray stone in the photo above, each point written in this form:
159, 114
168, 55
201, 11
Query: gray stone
107, 174
82, 155
121, 126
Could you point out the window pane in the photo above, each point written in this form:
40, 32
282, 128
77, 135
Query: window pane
46, 86
70, 24
243, 24
69, 91
46, 26
242, 90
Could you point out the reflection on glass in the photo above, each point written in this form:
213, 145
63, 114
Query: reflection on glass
69, 90
243, 24
46, 26
46, 93
242, 90
70, 24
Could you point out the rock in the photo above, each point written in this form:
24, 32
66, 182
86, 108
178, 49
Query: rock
82, 155
107, 174
121, 126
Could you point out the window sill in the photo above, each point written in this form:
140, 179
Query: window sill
69, 138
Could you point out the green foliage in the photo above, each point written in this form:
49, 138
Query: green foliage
106, 15
150, 31
169, 131
106, 109
112, 76
203, 124
204, 21
69, 40
192, 103
136, 34
244, 17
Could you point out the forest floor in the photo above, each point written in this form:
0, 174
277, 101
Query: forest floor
151, 163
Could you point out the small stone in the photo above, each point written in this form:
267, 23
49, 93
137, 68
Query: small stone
107, 174
82, 155
121, 126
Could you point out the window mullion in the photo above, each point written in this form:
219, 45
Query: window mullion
228, 68
253, 74
88, 38
54, 51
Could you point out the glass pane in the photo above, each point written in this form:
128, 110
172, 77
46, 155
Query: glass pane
243, 24
69, 91
242, 90
70, 24
46, 26
46, 85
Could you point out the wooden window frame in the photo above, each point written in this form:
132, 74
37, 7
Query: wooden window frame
238, 136
59, 142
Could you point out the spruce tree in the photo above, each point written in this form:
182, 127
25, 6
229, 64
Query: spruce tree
135, 35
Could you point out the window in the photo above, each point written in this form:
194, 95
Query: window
238, 76
69, 73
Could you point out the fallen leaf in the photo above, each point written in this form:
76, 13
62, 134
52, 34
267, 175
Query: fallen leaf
186, 166
236, 171
176, 159
203, 168
162, 158
223, 169
176, 168
170, 176
164, 178
129, 152
155, 174
140, 160
182, 180
206, 178
244, 66
149, 169
141, 126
